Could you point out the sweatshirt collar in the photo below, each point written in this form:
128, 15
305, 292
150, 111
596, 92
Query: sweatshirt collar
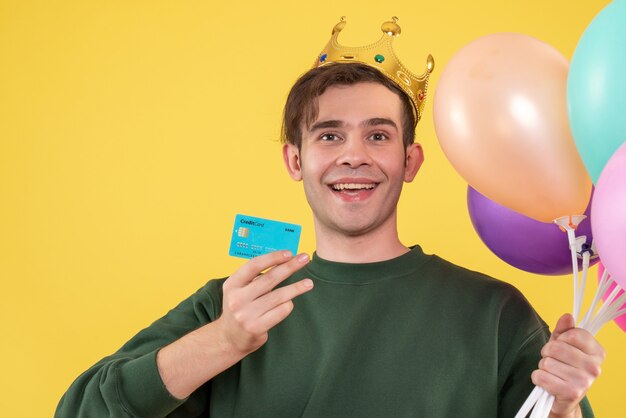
365, 273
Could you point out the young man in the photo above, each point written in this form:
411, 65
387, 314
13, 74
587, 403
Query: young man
368, 327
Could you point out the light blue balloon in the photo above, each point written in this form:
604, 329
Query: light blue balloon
596, 89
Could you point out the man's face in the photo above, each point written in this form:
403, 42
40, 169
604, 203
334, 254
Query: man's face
353, 161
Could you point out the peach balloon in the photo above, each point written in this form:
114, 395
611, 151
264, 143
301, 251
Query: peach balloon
501, 118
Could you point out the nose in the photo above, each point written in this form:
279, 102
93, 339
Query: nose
354, 153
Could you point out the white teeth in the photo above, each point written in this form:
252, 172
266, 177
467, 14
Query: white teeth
353, 186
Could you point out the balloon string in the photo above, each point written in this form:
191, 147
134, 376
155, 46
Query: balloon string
542, 406
612, 296
605, 283
571, 236
607, 316
608, 311
618, 314
607, 306
539, 405
583, 283
548, 406
530, 402
607, 319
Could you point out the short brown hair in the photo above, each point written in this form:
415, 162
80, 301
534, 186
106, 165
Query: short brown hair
301, 106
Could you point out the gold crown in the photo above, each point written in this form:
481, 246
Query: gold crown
380, 55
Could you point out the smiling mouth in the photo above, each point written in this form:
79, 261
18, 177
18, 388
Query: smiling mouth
352, 187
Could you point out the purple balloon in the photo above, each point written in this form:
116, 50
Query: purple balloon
523, 242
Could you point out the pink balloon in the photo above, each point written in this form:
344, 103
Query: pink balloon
620, 320
608, 216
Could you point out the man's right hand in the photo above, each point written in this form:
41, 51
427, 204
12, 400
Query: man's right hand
251, 307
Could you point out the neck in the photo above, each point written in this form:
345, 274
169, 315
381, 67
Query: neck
379, 244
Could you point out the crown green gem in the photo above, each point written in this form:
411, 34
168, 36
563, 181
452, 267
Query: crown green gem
379, 58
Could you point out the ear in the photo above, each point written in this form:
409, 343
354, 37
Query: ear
291, 157
414, 160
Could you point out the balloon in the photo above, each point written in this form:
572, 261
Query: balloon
529, 245
501, 119
620, 320
608, 219
596, 88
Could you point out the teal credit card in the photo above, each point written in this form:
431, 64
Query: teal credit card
257, 236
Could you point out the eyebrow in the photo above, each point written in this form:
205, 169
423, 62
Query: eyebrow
326, 124
379, 121
339, 124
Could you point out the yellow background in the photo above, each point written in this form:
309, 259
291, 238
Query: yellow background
131, 133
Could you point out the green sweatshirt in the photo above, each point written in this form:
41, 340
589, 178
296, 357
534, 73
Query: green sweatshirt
415, 336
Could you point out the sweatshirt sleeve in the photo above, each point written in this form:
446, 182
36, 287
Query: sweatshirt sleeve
127, 383
525, 363
521, 356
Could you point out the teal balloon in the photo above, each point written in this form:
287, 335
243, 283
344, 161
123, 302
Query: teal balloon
596, 89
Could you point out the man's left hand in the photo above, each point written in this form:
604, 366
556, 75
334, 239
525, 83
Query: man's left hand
570, 363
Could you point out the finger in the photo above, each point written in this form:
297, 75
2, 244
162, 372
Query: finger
258, 317
275, 276
564, 323
563, 352
249, 271
559, 388
279, 296
564, 371
567, 354
275, 316
583, 341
